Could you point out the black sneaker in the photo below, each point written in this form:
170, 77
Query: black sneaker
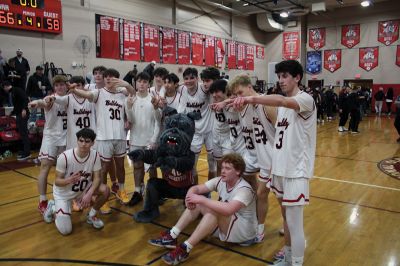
23, 157
136, 198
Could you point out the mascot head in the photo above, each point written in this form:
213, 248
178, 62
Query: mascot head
178, 132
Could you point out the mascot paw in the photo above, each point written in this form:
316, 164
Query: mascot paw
136, 155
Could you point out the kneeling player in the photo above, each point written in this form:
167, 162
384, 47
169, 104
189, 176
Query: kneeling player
233, 217
77, 177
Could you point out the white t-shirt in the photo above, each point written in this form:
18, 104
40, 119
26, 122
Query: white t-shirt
70, 163
295, 139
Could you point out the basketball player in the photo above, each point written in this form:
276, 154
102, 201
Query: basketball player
145, 122
234, 215
98, 75
195, 98
111, 137
293, 153
77, 177
172, 95
54, 136
159, 75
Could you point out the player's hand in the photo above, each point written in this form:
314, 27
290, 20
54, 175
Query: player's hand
194, 198
190, 206
72, 86
221, 105
49, 99
73, 178
32, 104
238, 103
86, 200
115, 82
127, 125
130, 100
155, 101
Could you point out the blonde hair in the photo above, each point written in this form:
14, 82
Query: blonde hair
241, 80
59, 79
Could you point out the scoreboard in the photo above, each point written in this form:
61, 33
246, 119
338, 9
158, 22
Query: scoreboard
32, 15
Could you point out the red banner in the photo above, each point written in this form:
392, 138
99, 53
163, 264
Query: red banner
388, 31
209, 51
316, 38
368, 58
109, 38
220, 52
183, 48
260, 52
151, 43
398, 55
291, 45
231, 54
197, 49
241, 56
250, 57
332, 60
131, 40
350, 35
168, 46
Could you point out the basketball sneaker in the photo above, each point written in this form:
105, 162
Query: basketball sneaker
49, 212
176, 256
136, 198
280, 255
122, 196
96, 222
250, 242
105, 209
42, 206
114, 188
165, 240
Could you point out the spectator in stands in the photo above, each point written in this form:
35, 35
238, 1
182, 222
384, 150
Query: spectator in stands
22, 68
343, 105
379, 96
37, 88
389, 100
21, 111
130, 77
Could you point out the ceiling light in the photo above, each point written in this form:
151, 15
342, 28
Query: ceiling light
284, 14
245, 4
365, 3
237, 0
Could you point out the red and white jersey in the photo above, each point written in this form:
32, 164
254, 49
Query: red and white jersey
197, 102
264, 136
221, 126
110, 113
80, 114
69, 163
154, 92
55, 127
295, 139
242, 192
174, 101
237, 140
246, 121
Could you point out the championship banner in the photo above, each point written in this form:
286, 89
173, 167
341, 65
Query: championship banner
151, 43
131, 40
168, 46
350, 35
314, 62
220, 52
260, 52
107, 37
209, 51
241, 56
398, 55
231, 54
368, 58
388, 31
332, 60
316, 38
197, 49
250, 57
291, 45
183, 48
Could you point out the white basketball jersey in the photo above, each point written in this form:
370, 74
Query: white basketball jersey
91, 86
198, 102
55, 127
221, 126
264, 136
237, 140
69, 163
110, 113
246, 120
81, 114
295, 139
154, 92
174, 101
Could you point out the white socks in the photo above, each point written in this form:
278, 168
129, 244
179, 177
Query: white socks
288, 255
92, 212
188, 246
260, 229
174, 232
42, 197
297, 261
121, 186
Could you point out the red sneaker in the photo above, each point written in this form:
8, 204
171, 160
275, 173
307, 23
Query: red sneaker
42, 206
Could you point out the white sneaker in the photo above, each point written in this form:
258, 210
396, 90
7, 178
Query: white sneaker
96, 222
345, 129
48, 214
340, 129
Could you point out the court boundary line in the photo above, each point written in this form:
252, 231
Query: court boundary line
15, 201
90, 262
204, 241
20, 227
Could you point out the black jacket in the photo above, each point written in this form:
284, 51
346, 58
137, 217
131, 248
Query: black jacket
33, 90
379, 95
21, 68
20, 101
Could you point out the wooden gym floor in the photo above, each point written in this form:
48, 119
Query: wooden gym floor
353, 217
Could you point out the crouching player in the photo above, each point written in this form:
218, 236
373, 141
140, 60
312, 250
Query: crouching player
77, 177
233, 217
